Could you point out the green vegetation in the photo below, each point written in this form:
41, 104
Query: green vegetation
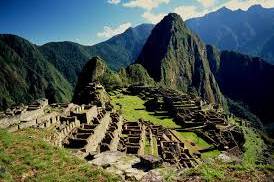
254, 147
190, 137
136, 74
25, 75
154, 147
51, 70
119, 51
240, 110
147, 146
168, 173
133, 108
150, 147
254, 144
111, 80
175, 59
211, 154
219, 171
24, 155
216, 170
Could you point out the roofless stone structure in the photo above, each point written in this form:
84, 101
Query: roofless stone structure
94, 128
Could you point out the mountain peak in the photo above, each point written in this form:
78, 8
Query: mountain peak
93, 69
173, 56
173, 18
255, 7
224, 10
172, 27
91, 72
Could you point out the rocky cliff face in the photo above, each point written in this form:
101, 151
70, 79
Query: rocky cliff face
176, 58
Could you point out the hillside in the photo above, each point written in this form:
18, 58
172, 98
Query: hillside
37, 160
67, 57
245, 79
51, 70
249, 32
119, 51
178, 60
26, 75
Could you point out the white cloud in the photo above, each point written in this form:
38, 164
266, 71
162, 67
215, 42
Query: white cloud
191, 11
245, 4
114, 1
187, 12
110, 31
145, 4
153, 18
207, 3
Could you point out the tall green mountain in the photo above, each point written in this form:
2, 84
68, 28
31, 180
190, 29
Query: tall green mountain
245, 79
249, 32
26, 75
67, 57
177, 58
119, 51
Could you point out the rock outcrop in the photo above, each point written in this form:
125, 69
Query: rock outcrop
88, 89
136, 74
176, 58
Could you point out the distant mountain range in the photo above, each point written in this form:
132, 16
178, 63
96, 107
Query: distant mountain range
119, 51
28, 72
249, 32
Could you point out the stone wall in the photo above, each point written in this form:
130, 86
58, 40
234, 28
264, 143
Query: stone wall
85, 115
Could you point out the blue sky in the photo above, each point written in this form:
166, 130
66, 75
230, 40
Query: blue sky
91, 21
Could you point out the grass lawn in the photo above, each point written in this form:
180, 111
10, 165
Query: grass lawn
133, 109
147, 146
155, 148
210, 154
24, 156
188, 137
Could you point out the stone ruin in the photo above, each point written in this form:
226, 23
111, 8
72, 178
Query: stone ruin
193, 114
163, 145
90, 129
92, 93
23, 116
